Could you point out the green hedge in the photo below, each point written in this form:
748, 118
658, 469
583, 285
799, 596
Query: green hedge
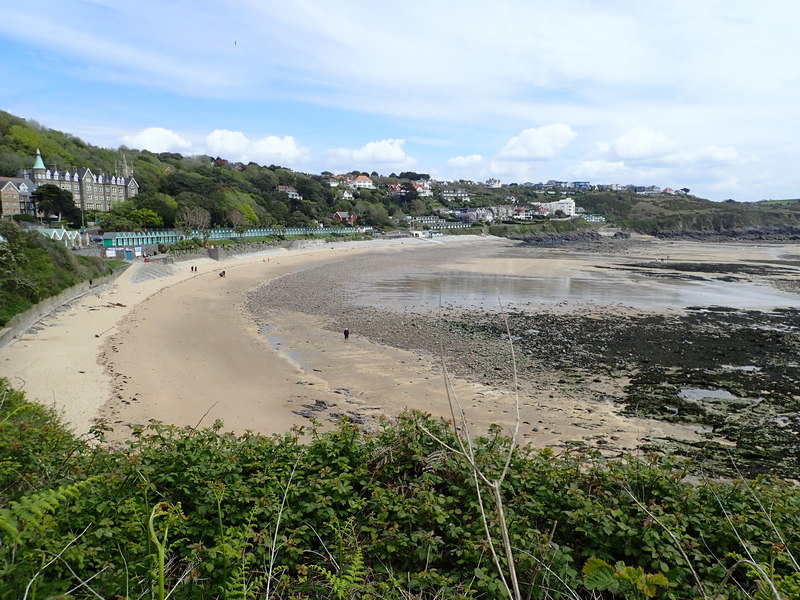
383, 515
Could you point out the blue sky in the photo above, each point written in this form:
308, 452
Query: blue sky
702, 94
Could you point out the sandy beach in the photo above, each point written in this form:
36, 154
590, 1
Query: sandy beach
186, 347
180, 348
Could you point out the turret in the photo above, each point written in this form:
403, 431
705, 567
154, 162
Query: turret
39, 163
39, 170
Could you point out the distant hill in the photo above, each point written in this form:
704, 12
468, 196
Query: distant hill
685, 212
231, 194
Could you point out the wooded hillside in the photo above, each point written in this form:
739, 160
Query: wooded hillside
231, 194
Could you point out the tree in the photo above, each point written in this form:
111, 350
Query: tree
410, 192
413, 176
115, 222
52, 200
194, 217
164, 205
377, 215
249, 213
146, 217
418, 207
235, 218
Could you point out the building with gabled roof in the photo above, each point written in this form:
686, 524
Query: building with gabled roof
290, 191
15, 196
90, 191
343, 216
363, 182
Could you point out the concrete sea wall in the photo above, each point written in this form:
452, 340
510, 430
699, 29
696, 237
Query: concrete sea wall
21, 322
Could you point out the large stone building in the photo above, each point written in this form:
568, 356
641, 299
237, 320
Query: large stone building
15, 196
91, 191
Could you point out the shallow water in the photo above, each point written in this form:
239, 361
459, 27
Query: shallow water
519, 280
698, 394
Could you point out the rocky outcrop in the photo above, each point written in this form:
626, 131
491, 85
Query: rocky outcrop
754, 234
559, 239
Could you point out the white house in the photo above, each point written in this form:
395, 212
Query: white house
362, 182
567, 206
456, 194
423, 189
290, 191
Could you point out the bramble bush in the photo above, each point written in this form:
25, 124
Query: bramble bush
200, 513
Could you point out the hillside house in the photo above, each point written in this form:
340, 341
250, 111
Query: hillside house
362, 182
456, 195
423, 189
650, 190
343, 217
567, 206
290, 191
483, 214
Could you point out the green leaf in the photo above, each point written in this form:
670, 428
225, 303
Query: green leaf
599, 575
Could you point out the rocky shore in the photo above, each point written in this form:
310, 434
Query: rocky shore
728, 375
753, 234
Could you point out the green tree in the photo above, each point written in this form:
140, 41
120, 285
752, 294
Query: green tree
117, 222
162, 204
249, 213
418, 207
145, 217
52, 200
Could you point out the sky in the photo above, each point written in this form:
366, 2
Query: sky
699, 94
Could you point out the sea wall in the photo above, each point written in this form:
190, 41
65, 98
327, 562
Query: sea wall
229, 250
21, 322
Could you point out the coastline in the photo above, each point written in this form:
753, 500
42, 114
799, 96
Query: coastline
170, 347
190, 348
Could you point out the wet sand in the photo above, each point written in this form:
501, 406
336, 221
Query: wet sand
188, 349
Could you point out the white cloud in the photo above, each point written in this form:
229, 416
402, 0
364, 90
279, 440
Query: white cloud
236, 146
228, 144
638, 143
688, 71
512, 170
704, 156
538, 144
641, 148
384, 153
599, 170
465, 162
157, 139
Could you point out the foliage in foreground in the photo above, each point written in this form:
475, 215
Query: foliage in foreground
197, 513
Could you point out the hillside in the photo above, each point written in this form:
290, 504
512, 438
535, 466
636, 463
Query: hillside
33, 267
668, 212
223, 193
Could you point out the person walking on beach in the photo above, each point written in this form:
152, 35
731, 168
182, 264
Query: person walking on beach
346, 334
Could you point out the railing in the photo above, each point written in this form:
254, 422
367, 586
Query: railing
171, 236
